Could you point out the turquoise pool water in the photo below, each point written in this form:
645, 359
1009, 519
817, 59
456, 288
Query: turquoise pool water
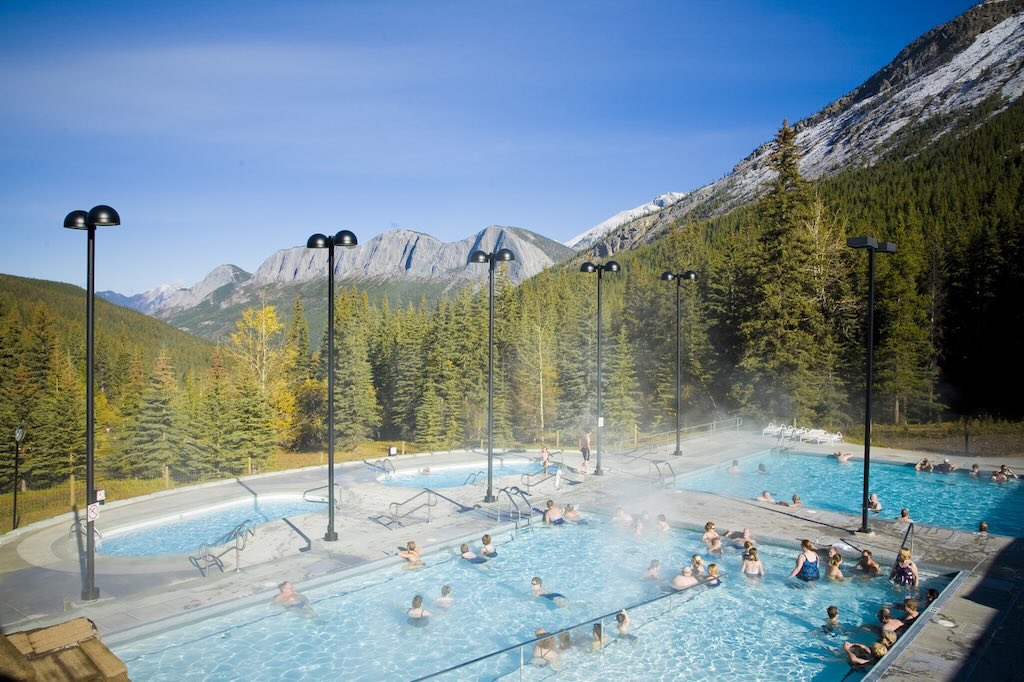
453, 477
764, 630
953, 500
188, 531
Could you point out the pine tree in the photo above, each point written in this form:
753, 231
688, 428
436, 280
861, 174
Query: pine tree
154, 438
620, 393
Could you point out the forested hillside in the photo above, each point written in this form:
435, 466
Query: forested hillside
771, 329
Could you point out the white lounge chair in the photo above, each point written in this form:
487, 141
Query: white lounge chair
771, 430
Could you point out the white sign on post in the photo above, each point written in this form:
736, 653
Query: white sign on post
92, 512
101, 495
600, 421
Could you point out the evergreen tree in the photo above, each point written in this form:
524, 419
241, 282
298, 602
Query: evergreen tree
251, 438
620, 393
154, 437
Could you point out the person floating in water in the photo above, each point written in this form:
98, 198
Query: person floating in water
470, 556
418, 615
738, 537
806, 568
293, 601
556, 598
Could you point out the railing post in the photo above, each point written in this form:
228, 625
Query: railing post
167, 477
522, 663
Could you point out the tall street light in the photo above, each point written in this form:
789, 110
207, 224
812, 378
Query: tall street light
679, 278
99, 216
600, 269
501, 256
19, 433
872, 245
318, 241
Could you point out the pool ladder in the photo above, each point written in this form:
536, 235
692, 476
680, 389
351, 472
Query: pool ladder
515, 494
385, 465
207, 559
474, 477
662, 474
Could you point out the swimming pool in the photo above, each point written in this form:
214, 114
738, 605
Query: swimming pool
757, 630
455, 476
186, 532
953, 500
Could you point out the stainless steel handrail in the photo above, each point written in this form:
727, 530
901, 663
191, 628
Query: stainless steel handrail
511, 492
325, 499
394, 507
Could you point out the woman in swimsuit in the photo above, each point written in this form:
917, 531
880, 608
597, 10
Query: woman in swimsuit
752, 566
834, 572
487, 549
418, 615
714, 579
709, 533
469, 556
806, 568
904, 571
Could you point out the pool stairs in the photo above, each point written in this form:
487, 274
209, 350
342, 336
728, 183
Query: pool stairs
238, 536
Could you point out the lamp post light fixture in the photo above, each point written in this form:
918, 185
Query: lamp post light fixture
678, 278
501, 256
600, 269
19, 433
344, 238
99, 216
872, 245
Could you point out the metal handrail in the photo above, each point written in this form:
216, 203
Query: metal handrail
662, 477
241, 530
910, 534
670, 596
511, 492
325, 499
472, 478
394, 507
81, 526
385, 465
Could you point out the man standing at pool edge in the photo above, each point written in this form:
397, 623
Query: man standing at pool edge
585, 449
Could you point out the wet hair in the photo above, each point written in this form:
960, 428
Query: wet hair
282, 585
932, 594
551, 503
698, 559
904, 513
464, 548
712, 570
417, 601
661, 517
620, 617
709, 525
752, 553
564, 640
807, 544
654, 562
486, 539
836, 559
598, 630
535, 580
910, 604
832, 611
884, 612
878, 650
866, 553
735, 462
446, 590
748, 545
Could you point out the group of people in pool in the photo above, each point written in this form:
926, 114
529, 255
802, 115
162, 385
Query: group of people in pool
546, 650
889, 629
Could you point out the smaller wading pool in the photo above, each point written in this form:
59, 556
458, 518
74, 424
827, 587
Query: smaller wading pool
455, 476
187, 531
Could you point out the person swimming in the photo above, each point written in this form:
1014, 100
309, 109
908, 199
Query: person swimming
556, 598
418, 615
294, 601
470, 556
806, 568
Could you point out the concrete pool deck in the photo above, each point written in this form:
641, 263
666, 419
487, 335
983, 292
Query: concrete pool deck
40, 581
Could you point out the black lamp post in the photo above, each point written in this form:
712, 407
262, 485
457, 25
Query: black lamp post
319, 241
679, 278
501, 256
872, 245
19, 433
99, 216
609, 266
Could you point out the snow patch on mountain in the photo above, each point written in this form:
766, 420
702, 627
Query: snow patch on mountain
585, 239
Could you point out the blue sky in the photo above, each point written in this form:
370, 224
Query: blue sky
224, 131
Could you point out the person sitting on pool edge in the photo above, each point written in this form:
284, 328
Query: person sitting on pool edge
553, 515
806, 568
537, 587
470, 556
292, 600
418, 615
